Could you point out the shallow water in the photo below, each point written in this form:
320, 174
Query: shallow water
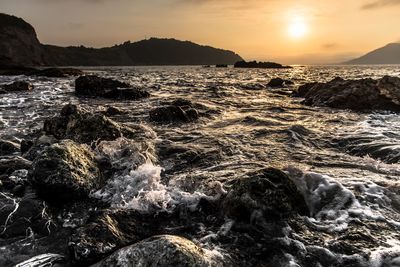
351, 158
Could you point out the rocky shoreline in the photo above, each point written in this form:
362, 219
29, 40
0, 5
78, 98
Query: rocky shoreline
52, 188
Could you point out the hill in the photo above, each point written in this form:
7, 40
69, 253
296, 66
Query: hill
389, 54
19, 45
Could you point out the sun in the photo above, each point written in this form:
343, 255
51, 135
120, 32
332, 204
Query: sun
297, 28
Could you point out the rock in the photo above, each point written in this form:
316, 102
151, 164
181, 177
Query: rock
31, 149
163, 250
18, 86
108, 232
112, 111
65, 172
180, 110
260, 65
48, 259
16, 216
83, 126
8, 148
221, 66
360, 95
268, 193
9, 164
56, 72
108, 88
14, 70
26, 145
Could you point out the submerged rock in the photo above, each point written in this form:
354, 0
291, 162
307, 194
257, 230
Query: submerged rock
65, 172
108, 88
83, 126
267, 194
164, 250
56, 72
364, 94
18, 86
260, 65
180, 110
8, 148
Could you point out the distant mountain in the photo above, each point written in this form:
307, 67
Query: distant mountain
19, 45
389, 54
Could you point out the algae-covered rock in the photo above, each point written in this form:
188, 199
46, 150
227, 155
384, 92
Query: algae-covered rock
65, 171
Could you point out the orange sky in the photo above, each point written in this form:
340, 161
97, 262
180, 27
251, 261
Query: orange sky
326, 31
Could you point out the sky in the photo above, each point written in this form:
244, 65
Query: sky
286, 31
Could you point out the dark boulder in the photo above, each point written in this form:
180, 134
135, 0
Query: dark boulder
83, 126
109, 231
9, 164
163, 250
279, 82
17, 215
360, 95
8, 148
180, 110
95, 86
260, 65
268, 193
65, 172
56, 72
18, 86
15, 70
112, 111
221, 66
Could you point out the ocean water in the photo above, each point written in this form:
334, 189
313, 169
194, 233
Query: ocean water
346, 164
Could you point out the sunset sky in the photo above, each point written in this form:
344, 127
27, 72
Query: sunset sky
291, 32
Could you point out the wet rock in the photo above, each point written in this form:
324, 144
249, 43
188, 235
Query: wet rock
48, 259
31, 149
267, 194
108, 88
180, 110
9, 164
17, 215
83, 126
65, 172
14, 70
278, 82
56, 72
221, 66
164, 250
260, 65
360, 95
18, 86
108, 232
8, 148
112, 111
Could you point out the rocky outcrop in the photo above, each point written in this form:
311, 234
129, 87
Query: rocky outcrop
83, 126
65, 172
164, 250
17, 86
108, 88
267, 194
360, 95
19, 44
260, 65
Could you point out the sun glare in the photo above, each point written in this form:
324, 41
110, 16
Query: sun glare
297, 28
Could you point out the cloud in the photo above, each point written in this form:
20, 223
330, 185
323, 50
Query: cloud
330, 45
380, 3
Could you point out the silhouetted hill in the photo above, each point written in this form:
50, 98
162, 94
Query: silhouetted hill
20, 46
389, 54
